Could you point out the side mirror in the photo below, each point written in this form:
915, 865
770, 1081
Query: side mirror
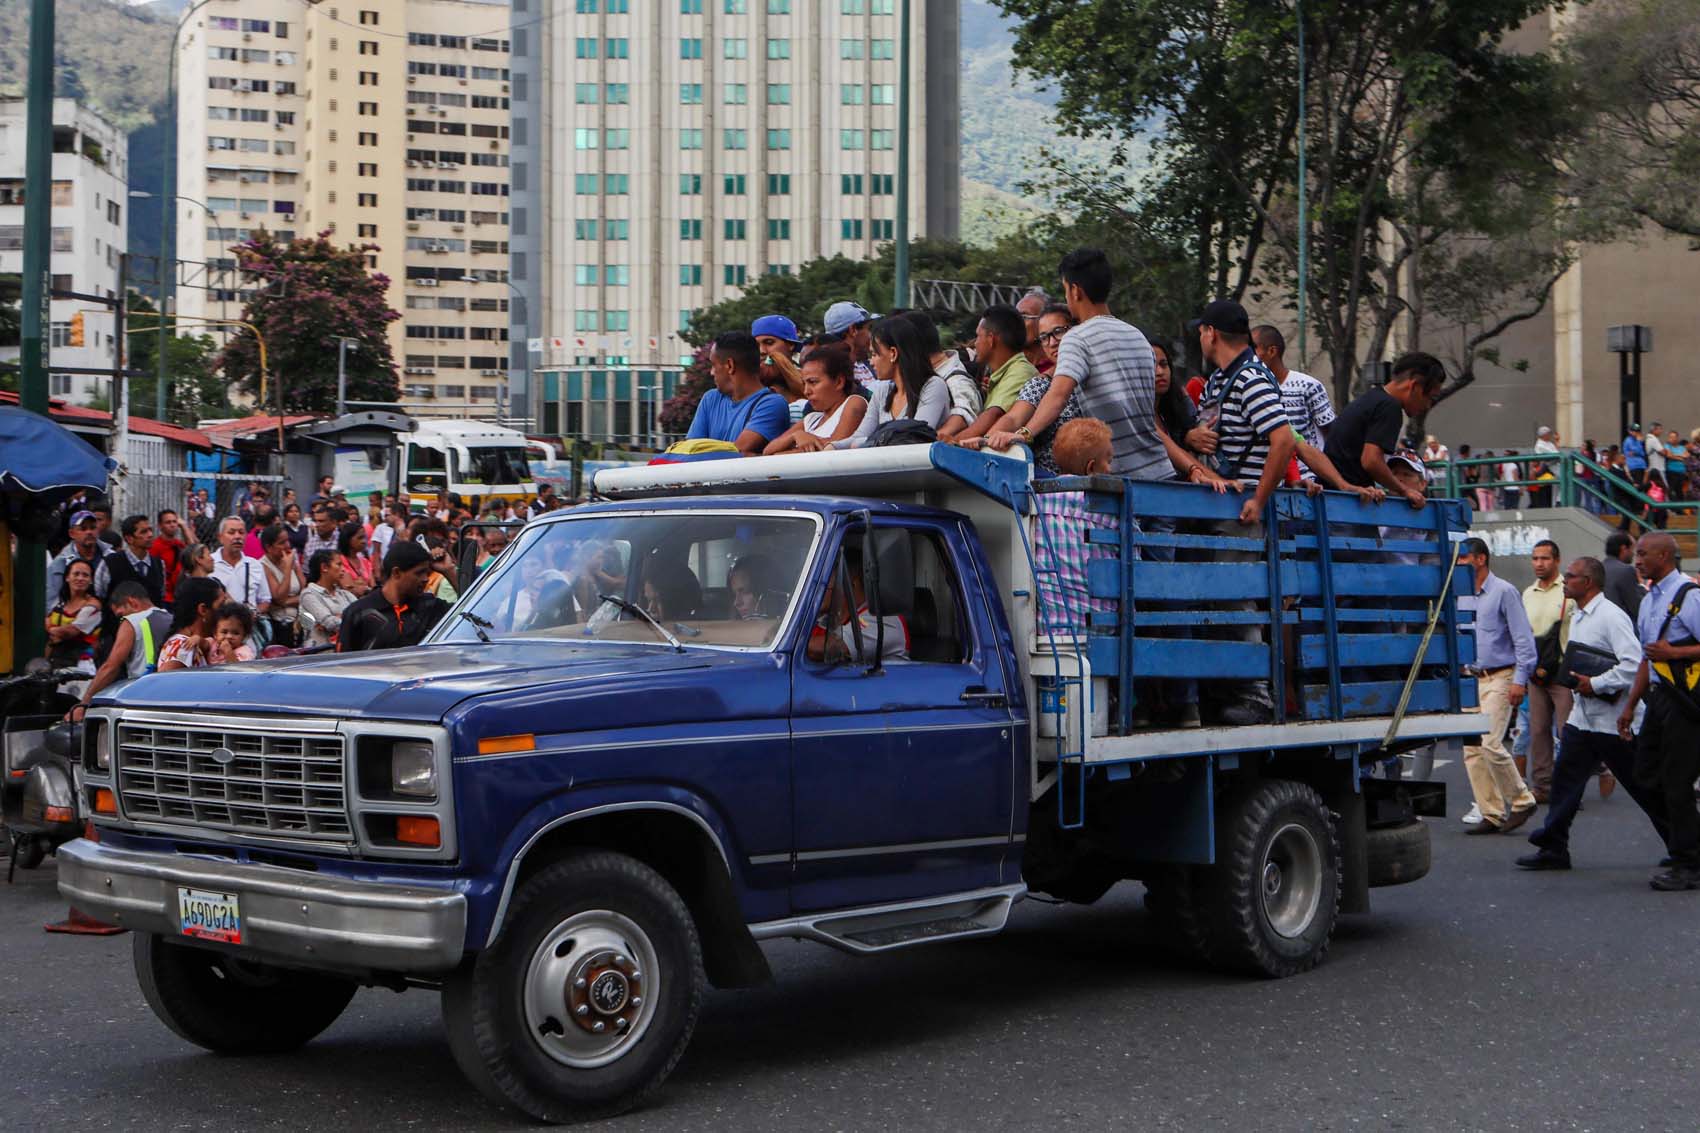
888, 571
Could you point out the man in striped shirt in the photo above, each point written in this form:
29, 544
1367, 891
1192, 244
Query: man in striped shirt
1242, 403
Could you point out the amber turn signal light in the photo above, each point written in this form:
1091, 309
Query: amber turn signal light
418, 830
499, 745
58, 814
105, 802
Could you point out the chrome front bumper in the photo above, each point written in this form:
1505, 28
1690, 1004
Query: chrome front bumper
308, 919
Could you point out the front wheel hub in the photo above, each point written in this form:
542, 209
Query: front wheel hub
590, 988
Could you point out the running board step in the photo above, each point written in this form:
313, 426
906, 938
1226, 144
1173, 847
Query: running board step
885, 927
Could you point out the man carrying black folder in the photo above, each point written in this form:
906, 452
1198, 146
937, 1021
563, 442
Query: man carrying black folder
1599, 665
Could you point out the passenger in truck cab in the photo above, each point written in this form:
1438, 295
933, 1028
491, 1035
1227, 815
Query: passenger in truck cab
670, 590
834, 638
749, 578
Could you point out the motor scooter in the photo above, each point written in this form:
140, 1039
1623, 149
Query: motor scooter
38, 751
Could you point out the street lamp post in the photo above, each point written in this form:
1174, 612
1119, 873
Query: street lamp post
505, 403
167, 207
1629, 342
900, 255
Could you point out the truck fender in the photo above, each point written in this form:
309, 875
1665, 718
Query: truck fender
627, 821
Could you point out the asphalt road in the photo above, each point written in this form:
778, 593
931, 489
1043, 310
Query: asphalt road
1480, 998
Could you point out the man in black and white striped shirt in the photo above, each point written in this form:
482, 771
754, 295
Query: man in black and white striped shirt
1242, 402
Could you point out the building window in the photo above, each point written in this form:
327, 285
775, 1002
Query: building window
850, 7
734, 185
585, 93
368, 47
367, 231
619, 94
735, 139
778, 184
585, 320
617, 49
880, 139
736, 229
884, 229
585, 275
370, 19
690, 94
881, 7
850, 184
690, 184
614, 229
367, 200
737, 94
779, 49
616, 275
369, 109
690, 230
778, 269
584, 229
586, 7
779, 7
736, 7
882, 49
690, 7
779, 94
850, 139
690, 49
585, 137
882, 94
585, 183
779, 139
617, 139
368, 78
735, 274
850, 229
778, 229
585, 48
367, 138
850, 94
690, 275
880, 184
690, 139
735, 48
367, 169
850, 49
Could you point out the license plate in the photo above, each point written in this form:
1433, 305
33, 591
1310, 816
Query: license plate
209, 916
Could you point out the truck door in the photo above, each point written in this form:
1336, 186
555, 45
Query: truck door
901, 783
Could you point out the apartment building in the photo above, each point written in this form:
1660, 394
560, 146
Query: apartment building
384, 122
668, 152
90, 194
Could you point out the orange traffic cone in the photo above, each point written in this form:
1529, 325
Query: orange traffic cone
79, 923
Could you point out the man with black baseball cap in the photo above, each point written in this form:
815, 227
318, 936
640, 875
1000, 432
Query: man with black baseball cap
1255, 440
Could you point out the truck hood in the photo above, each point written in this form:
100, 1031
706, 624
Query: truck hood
420, 684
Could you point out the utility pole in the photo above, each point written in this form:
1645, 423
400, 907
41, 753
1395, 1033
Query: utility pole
342, 345
29, 579
1304, 198
120, 389
900, 298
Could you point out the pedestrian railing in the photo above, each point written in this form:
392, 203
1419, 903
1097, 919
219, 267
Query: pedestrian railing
1569, 479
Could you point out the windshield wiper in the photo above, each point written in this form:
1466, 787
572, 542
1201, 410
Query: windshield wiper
634, 608
479, 625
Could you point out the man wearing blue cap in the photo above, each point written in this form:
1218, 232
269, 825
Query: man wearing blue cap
848, 322
777, 338
84, 545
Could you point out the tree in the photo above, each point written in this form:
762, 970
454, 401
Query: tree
1639, 61
307, 294
196, 388
1407, 105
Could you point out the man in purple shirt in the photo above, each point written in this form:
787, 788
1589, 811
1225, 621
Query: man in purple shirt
1505, 656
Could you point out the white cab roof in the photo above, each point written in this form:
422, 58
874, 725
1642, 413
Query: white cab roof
877, 472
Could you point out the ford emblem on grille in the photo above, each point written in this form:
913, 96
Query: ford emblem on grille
222, 755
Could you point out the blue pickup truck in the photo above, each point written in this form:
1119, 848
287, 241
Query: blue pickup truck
845, 697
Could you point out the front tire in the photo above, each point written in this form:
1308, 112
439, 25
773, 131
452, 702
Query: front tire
589, 996
233, 1006
1274, 895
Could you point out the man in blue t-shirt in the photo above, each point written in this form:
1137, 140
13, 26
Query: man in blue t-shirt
739, 409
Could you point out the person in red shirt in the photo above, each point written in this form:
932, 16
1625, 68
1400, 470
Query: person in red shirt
167, 546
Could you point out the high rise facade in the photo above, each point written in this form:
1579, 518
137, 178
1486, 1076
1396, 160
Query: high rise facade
669, 152
89, 201
383, 122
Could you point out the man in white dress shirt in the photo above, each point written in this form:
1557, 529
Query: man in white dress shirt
1590, 737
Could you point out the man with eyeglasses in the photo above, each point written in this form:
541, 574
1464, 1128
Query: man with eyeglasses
1031, 308
1602, 631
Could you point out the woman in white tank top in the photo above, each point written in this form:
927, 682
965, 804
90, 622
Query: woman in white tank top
837, 407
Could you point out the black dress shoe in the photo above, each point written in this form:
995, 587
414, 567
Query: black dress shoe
1675, 879
1518, 816
1543, 860
1485, 826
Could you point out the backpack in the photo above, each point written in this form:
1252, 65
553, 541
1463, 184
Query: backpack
1681, 677
902, 431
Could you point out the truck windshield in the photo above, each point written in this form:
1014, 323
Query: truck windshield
721, 579
493, 466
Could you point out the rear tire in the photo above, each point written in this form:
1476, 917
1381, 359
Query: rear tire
589, 996
28, 851
1274, 894
1172, 897
1398, 854
234, 1006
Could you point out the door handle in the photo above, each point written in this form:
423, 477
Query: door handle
984, 698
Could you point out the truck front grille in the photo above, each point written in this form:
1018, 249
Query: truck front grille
277, 784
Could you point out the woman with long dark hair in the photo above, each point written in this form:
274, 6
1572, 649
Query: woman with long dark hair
836, 409
194, 617
904, 386
353, 546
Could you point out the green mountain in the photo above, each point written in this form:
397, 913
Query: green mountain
111, 56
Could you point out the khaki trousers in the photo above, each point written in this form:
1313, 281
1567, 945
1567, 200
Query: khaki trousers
1549, 707
1493, 776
